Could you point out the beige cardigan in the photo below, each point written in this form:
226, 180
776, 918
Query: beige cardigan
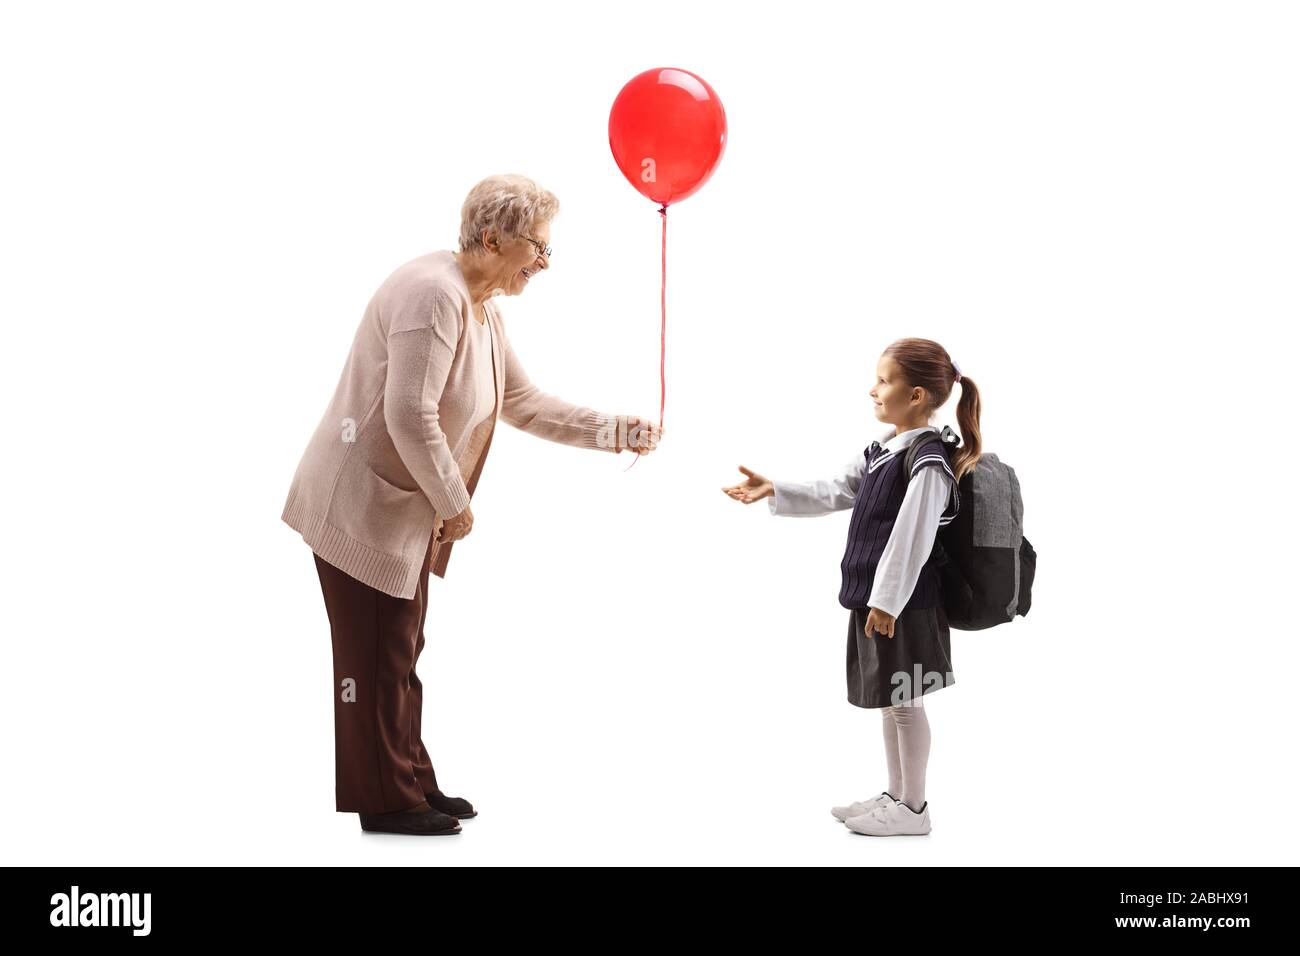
393, 453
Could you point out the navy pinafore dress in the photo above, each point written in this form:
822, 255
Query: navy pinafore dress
883, 671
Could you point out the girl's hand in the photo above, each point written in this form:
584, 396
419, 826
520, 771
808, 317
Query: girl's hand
880, 621
755, 488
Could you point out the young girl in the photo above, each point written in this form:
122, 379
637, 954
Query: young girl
898, 631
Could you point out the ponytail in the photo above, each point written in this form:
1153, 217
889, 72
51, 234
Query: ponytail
968, 423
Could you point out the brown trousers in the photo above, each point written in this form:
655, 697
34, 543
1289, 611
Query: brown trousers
380, 762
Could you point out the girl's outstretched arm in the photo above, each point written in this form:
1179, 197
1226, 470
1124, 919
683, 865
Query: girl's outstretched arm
806, 499
803, 499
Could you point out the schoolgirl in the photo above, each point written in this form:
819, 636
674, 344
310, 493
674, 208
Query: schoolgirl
898, 636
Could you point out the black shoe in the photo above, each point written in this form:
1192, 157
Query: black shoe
457, 807
416, 822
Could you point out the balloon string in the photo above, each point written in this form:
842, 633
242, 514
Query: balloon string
663, 315
663, 306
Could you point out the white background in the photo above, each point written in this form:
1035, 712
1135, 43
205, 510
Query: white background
1093, 206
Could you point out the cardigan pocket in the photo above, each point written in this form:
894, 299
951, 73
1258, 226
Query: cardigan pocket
401, 512
393, 484
383, 490
381, 516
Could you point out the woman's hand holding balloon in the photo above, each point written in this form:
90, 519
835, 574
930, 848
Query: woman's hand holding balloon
642, 437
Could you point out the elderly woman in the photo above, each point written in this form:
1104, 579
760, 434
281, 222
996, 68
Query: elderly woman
383, 489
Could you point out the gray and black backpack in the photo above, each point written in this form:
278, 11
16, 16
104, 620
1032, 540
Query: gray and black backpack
987, 565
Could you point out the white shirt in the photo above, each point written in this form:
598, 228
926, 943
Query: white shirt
912, 538
485, 386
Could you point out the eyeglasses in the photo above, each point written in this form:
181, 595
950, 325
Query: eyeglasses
541, 247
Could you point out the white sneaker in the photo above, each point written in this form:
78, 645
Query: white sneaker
893, 819
860, 807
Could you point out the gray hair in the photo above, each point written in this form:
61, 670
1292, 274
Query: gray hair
509, 205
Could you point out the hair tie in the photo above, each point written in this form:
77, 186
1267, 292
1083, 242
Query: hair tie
956, 369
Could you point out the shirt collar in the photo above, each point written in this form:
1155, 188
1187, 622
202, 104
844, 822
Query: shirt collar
891, 442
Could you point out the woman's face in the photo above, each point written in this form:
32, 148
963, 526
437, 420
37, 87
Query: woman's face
519, 259
896, 402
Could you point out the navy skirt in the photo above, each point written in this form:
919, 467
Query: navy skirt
917, 660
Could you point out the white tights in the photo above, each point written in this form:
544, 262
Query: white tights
907, 749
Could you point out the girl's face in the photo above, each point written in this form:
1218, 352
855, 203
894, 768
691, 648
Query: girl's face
896, 403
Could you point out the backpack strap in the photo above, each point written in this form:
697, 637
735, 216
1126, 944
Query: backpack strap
946, 435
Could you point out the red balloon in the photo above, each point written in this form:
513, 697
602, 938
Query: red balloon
667, 131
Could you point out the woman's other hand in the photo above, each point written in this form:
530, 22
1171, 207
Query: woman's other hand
878, 620
642, 436
457, 526
754, 488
